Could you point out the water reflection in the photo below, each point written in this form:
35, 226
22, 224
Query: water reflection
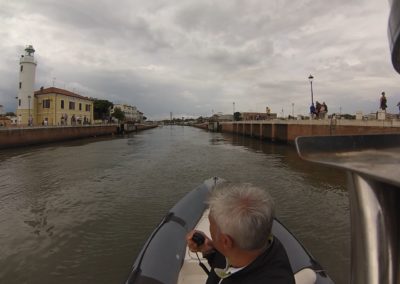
315, 208
80, 211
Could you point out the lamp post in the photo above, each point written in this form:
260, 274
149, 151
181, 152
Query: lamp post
293, 110
233, 117
29, 110
310, 78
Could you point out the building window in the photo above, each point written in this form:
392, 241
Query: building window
20, 85
87, 108
19, 102
62, 104
46, 103
80, 106
22, 68
71, 105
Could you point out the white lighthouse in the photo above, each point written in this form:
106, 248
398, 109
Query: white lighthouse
25, 99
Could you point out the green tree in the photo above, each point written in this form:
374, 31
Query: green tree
237, 116
101, 108
348, 116
10, 113
118, 114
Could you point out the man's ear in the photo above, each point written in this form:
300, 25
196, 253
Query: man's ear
227, 241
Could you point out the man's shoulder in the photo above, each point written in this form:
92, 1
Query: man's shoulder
275, 257
272, 266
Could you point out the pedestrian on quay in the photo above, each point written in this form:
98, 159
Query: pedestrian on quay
326, 107
324, 110
317, 108
383, 102
312, 111
398, 105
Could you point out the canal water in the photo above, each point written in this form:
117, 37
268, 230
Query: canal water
79, 212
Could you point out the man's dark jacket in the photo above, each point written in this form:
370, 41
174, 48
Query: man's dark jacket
272, 266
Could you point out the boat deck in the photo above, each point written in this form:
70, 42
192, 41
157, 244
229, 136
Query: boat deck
191, 271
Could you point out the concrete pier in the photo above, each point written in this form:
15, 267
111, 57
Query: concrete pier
16, 137
286, 131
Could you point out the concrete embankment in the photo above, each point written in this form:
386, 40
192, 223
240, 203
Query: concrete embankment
141, 127
128, 128
201, 125
16, 137
286, 131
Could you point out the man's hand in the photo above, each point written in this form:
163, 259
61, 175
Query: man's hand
204, 248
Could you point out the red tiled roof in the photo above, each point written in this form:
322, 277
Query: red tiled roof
53, 90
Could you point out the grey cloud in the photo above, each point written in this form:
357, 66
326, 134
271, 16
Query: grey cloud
97, 22
227, 22
202, 16
228, 59
140, 32
193, 56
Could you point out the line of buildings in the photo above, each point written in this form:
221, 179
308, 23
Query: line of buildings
132, 114
54, 106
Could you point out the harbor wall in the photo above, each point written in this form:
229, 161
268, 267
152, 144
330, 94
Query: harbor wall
141, 127
286, 131
23, 136
16, 137
201, 125
129, 128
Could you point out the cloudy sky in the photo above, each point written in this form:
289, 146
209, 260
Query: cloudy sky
196, 57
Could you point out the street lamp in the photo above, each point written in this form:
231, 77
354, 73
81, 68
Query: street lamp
29, 110
233, 118
310, 78
293, 110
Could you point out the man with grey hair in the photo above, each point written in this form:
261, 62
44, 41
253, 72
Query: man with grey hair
242, 248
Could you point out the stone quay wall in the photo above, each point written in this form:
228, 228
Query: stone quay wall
286, 131
128, 128
201, 125
16, 137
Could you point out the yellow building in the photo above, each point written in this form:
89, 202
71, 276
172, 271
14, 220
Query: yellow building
54, 106
50, 106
